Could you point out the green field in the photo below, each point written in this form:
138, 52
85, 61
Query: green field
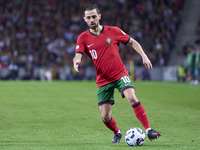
64, 116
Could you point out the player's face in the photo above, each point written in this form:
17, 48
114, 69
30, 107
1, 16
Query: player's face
92, 18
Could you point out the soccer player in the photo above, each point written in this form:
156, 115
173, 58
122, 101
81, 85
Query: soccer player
100, 43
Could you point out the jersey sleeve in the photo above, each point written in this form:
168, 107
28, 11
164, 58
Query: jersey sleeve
80, 48
122, 37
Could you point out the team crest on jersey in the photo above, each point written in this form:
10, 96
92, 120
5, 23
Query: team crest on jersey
108, 39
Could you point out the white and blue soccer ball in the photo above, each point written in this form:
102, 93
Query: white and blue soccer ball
134, 137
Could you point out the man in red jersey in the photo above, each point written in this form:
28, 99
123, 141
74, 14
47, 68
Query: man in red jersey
100, 43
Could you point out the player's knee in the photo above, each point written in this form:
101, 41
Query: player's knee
132, 99
106, 118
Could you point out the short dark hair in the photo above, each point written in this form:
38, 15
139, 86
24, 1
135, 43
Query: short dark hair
91, 7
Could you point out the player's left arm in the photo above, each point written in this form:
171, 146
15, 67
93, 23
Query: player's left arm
138, 48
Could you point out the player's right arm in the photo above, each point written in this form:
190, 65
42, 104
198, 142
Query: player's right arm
77, 61
80, 48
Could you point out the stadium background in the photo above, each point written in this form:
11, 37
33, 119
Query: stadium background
37, 38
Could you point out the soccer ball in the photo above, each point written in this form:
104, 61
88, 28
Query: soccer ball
134, 137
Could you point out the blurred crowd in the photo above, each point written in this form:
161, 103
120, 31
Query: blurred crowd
40, 35
192, 54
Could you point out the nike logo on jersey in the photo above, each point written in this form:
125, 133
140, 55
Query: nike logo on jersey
90, 45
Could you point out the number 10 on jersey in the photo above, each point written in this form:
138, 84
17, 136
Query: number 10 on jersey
93, 53
126, 79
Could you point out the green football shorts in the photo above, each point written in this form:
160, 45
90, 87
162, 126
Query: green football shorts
105, 94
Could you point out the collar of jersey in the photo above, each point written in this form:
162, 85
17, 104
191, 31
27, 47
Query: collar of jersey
96, 34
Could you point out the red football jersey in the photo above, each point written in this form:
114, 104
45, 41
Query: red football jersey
103, 50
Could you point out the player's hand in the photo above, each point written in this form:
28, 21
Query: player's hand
147, 63
76, 63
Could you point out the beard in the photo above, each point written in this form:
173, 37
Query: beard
93, 26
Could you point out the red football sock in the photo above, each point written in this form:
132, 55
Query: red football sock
141, 115
112, 125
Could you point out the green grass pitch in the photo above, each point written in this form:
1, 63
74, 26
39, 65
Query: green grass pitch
64, 115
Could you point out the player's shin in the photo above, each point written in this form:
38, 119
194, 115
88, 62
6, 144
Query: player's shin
112, 125
141, 115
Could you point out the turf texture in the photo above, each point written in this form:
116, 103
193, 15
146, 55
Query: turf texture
63, 115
